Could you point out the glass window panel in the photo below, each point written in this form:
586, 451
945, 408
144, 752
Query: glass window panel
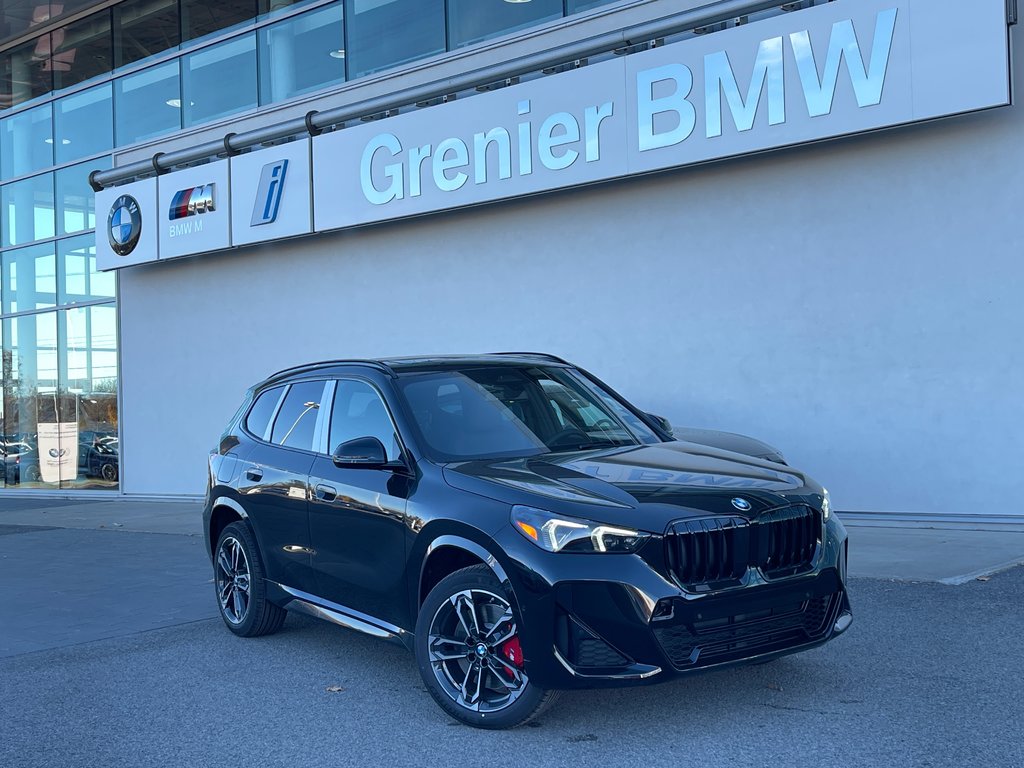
76, 201
385, 33
220, 80
20, 16
82, 50
87, 400
77, 278
201, 17
28, 210
88, 383
576, 6
30, 278
302, 54
30, 392
470, 21
83, 124
297, 418
26, 142
147, 104
144, 28
270, 7
25, 72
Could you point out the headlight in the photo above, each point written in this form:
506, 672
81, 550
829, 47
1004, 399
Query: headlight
557, 533
826, 504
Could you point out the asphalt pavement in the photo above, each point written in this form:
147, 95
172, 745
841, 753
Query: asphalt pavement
111, 654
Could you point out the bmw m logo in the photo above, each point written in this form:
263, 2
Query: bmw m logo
741, 504
124, 225
193, 201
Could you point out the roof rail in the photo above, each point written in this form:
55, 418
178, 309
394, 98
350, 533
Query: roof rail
327, 363
544, 355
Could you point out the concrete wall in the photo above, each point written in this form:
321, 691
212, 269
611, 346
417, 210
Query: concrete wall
856, 303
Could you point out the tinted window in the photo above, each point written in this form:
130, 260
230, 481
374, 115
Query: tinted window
386, 33
82, 50
471, 20
359, 412
508, 411
206, 73
296, 421
259, 417
144, 28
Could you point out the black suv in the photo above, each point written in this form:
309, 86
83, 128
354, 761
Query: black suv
518, 525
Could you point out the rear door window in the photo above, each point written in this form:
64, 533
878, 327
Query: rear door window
295, 424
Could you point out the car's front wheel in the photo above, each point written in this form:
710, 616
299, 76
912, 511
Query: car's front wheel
469, 655
241, 591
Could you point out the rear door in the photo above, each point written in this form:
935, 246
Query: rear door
357, 517
273, 482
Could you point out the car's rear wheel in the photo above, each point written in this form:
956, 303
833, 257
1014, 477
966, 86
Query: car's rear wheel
241, 591
108, 472
468, 652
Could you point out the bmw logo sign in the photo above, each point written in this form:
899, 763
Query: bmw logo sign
741, 504
124, 225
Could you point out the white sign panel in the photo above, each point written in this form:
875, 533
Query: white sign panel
556, 132
270, 193
836, 69
58, 451
126, 229
194, 210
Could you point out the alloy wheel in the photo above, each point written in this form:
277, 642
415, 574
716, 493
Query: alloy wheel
474, 651
233, 580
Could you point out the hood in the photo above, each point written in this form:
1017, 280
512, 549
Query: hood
644, 486
729, 441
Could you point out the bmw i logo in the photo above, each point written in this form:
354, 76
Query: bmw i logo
741, 504
124, 225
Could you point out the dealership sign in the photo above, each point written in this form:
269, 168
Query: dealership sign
832, 70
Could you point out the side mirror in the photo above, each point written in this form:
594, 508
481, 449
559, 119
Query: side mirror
662, 423
364, 452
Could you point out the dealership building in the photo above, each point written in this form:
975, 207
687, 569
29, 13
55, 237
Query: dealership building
798, 221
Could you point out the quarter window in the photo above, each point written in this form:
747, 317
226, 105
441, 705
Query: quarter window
296, 421
359, 412
259, 417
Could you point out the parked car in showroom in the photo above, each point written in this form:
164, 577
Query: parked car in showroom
518, 525
21, 464
103, 459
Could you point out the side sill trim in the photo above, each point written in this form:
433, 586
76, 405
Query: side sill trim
318, 607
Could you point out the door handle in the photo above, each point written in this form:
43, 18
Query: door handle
326, 492
254, 473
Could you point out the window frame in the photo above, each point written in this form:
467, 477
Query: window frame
323, 446
277, 413
244, 423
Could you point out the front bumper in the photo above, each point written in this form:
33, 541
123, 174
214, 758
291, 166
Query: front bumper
606, 620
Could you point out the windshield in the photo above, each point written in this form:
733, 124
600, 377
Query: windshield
506, 411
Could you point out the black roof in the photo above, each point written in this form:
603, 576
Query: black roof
393, 365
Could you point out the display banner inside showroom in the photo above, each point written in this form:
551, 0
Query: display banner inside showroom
833, 70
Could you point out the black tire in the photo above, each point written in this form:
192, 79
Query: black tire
109, 472
246, 613
497, 704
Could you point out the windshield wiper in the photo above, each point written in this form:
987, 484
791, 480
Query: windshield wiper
592, 445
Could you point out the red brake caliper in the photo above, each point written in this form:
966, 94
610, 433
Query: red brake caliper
512, 651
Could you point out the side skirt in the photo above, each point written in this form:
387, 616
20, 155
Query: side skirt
303, 602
